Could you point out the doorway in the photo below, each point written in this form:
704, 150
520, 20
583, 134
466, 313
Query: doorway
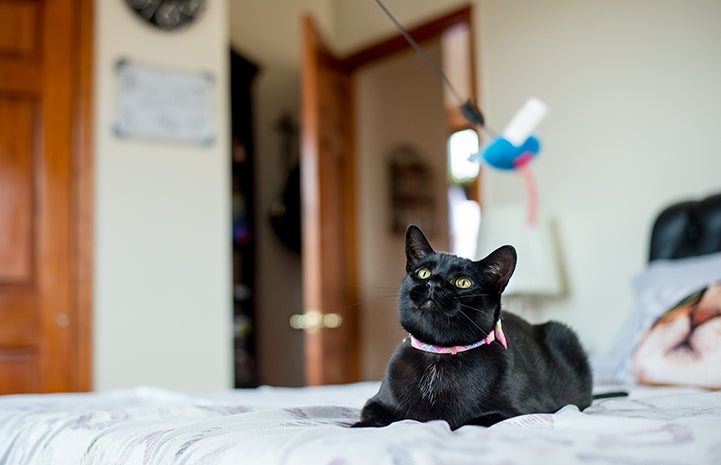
399, 115
404, 118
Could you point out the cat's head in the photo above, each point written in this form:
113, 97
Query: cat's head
448, 300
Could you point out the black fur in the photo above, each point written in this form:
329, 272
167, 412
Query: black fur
543, 369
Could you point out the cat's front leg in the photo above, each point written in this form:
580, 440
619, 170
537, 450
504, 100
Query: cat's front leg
375, 415
489, 418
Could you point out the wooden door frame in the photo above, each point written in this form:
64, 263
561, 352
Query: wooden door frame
425, 31
83, 197
316, 264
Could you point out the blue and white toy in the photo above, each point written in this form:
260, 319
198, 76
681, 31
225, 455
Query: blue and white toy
516, 147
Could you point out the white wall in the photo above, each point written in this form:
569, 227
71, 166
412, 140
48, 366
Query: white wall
634, 107
633, 97
634, 104
162, 224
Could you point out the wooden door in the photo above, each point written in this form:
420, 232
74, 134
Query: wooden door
328, 205
44, 195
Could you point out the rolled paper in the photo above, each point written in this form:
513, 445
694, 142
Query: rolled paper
525, 121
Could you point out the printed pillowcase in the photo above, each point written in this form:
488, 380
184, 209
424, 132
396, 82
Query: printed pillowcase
684, 345
673, 337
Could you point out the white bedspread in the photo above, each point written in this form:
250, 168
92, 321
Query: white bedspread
655, 426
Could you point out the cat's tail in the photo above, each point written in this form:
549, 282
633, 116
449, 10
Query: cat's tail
609, 395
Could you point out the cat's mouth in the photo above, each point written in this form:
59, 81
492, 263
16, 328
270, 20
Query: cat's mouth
428, 305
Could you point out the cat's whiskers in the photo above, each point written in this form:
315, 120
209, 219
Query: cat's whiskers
471, 307
358, 303
485, 333
354, 305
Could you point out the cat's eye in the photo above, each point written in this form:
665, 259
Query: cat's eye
463, 282
423, 273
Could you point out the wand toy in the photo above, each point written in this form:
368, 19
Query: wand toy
515, 147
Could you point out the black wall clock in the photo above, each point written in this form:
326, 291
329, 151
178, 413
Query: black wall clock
167, 14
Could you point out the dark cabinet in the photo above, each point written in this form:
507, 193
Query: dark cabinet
242, 74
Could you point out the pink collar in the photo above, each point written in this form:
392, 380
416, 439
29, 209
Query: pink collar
497, 333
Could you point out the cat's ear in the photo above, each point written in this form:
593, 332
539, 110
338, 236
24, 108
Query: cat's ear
498, 266
417, 247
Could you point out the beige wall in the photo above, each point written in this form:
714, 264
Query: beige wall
634, 105
634, 102
162, 228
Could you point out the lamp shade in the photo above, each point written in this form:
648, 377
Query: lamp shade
537, 269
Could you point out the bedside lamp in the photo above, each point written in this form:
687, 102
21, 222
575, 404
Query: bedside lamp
537, 269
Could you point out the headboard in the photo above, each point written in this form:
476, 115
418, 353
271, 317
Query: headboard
687, 229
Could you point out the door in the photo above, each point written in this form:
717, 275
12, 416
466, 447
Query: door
328, 250
44, 204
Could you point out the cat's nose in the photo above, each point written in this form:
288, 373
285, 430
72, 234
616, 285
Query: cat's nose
431, 285
431, 288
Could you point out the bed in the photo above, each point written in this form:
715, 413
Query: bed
677, 423
311, 426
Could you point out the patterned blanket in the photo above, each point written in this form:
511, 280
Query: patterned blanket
659, 426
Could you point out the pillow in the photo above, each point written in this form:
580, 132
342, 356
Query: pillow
684, 345
672, 320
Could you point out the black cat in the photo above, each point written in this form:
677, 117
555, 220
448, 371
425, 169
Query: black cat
457, 365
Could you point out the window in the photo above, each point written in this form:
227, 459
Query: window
461, 145
464, 212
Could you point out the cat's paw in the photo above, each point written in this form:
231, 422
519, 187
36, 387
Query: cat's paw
375, 415
372, 423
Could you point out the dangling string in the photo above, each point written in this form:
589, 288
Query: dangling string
469, 110
423, 55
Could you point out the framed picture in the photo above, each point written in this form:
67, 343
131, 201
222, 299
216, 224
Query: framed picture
164, 104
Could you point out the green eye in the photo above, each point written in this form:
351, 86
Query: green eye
423, 273
463, 283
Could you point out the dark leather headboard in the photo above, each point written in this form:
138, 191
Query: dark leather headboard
687, 229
